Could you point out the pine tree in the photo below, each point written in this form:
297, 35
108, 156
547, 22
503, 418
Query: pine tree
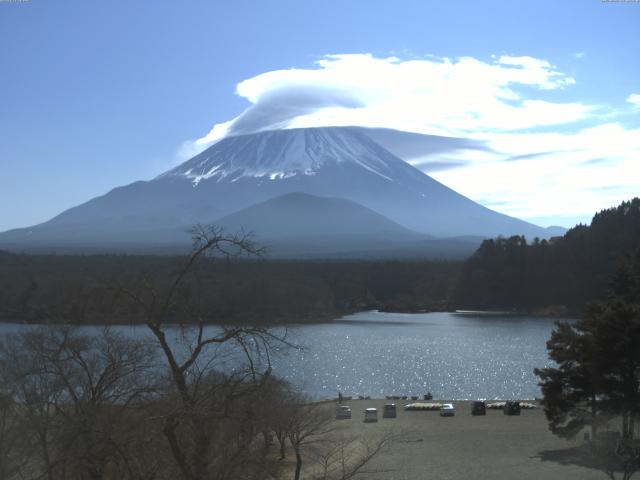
598, 362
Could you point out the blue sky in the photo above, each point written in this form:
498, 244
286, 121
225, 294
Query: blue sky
99, 94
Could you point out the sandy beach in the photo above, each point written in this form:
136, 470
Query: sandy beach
491, 447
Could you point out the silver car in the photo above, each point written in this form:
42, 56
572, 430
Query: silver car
447, 410
371, 415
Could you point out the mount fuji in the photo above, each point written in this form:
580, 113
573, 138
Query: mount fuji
384, 196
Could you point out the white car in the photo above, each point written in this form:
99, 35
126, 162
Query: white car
447, 410
371, 415
343, 411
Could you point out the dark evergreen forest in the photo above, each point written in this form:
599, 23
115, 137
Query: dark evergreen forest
97, 288
560, 275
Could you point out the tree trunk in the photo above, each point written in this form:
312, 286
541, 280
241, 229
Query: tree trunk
200, 457
594, 426
298, 464
268, 438
169, 430
282, 440
44, 445
625, 425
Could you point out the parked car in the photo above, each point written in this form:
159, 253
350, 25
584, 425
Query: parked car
389, 411
512, 408
371, 415
447, 410
478, 408
343, 411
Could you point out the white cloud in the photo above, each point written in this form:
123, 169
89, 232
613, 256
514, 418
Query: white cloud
432, 95
575, 174
537, 72
634, 99
499, 102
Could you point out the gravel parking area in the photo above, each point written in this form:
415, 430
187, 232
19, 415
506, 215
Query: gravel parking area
492, 447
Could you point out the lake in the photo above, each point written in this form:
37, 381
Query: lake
453, 356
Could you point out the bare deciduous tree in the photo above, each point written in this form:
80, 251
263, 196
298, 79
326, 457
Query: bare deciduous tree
73, 393
206, 405
308, 425
190, 400
347, 457
12, 458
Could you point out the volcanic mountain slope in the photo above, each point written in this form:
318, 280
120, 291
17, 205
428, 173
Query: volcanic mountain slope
300, 215
237, 172
303, 224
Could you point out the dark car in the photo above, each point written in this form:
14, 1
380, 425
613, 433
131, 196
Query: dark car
343, 411
512, 408
389, 411
478, 408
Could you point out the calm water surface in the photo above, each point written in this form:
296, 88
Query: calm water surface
373, 353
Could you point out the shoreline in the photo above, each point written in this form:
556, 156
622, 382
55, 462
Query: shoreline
319, 318
407, 401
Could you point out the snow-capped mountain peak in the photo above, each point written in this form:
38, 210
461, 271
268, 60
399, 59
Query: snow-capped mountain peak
237, 173
282, 154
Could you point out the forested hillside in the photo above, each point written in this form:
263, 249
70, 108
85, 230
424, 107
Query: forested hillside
97, 288
556, 276
560, 275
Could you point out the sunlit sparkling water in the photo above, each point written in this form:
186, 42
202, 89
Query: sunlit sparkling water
372, 353
451, 356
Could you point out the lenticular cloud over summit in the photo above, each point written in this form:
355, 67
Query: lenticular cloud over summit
511, 144
430, 95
